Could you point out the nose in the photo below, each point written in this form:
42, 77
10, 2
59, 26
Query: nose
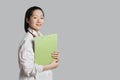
39, 21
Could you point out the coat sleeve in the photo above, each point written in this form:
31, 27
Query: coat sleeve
26, 59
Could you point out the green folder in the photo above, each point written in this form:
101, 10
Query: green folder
43, 47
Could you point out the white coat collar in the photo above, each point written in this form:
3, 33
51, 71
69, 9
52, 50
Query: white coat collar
34, 32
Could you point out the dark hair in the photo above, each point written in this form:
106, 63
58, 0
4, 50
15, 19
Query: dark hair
28, 14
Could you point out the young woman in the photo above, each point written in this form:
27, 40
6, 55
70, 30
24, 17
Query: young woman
34, 20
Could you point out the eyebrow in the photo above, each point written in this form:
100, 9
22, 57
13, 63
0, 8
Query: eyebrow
37, 15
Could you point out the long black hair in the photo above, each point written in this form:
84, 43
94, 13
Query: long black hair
28, 14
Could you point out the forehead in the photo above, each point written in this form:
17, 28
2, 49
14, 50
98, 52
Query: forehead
37, 12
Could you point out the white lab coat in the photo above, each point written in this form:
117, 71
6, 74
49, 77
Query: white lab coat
28, 69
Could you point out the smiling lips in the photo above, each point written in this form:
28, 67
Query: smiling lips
38, 24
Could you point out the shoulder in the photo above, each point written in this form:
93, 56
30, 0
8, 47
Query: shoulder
27, 40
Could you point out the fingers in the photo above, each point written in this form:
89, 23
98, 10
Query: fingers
56, 52
55, 55
56, 60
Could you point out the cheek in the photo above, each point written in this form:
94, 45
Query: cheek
43, 21
33, 22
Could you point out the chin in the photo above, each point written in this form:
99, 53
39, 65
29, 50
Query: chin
38, 29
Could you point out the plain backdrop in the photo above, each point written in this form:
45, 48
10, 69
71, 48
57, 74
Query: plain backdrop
89, 37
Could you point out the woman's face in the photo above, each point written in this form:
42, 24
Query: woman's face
36, 20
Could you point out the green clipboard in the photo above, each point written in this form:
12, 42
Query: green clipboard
43, 47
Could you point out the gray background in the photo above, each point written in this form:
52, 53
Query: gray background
89, 37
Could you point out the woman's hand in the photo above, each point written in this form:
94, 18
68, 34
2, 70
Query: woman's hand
53, 65
55, 55
55, 62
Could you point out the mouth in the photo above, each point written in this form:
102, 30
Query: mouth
38, 24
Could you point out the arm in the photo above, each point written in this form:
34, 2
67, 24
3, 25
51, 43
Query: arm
55, 63
26, 59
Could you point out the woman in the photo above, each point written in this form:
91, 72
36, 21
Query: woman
34, 20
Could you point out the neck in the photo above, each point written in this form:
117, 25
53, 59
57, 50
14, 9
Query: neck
33, 31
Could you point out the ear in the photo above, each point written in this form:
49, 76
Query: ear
27, 20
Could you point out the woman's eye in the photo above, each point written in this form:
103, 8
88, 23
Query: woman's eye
35, 17
42, 18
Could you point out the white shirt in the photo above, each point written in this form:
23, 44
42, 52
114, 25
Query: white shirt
28, 69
